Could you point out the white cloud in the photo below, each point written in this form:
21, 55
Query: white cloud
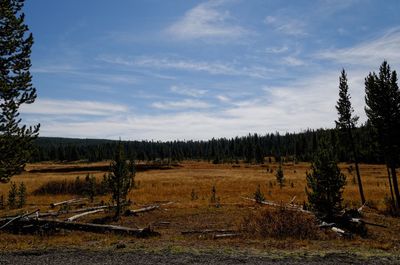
307, 103
184, 104
277, 50
206, 21
215, 68
288, 26
370, 53
187, 91
293, 61
223, 98
72, 107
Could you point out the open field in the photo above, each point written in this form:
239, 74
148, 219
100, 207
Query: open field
231, 182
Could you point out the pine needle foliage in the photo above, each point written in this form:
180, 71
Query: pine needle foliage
16, 89
325, 183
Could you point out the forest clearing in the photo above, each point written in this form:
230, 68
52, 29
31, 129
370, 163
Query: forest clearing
187, 216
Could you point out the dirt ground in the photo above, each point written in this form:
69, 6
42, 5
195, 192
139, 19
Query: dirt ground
167, 257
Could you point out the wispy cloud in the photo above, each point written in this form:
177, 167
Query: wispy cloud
187, 91
277, 50
206, 21
293, 61
86, 73
215, 68
186, 104
285, 25
72, 107
369, 53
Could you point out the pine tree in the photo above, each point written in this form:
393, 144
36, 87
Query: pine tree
120, 179
12, 195
325, 183
21, 195
346, 124
15, 89
280, 178
383, 111
258, 195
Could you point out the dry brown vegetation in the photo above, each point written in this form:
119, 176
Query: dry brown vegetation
189, 212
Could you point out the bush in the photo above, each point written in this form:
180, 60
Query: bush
280, 223
87, 187
12, 196
258, 195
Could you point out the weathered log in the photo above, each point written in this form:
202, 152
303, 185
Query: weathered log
17, 218
230, 235
361, 221
142, 210
67, 202
274, 204
207, 231
73, 218
94, 228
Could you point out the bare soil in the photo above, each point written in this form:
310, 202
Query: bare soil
167, 257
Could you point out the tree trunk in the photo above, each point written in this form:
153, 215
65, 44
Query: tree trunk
395, 185
355, 153
391, 186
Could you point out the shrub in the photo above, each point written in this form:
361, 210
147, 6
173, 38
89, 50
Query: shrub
12, 195
88, 187
258, 195
280, 223
21, 195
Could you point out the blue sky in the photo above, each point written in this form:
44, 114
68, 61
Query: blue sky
185, 69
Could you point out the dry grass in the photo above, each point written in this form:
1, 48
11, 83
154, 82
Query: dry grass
231, 183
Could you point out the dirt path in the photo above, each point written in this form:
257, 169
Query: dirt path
135, 257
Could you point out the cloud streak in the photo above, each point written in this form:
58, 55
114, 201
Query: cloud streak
369, 53
72, 107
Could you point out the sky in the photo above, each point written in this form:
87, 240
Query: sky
185, 69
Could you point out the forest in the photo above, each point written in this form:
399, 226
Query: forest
252, 148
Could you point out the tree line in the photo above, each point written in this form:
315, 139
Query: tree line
253, 148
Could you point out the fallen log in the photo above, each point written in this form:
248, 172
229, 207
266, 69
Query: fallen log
219, 236
73, 218
67, 202
17, 218
360, 221
94, 228
207, 231
142, 210
274, 204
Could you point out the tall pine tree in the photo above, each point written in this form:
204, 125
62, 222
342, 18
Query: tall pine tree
383, 110
15, 89
346, 123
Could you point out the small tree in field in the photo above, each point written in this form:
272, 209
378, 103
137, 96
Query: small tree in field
12, 195
280, 177
325, 183
258, 195
21, 195
120, 179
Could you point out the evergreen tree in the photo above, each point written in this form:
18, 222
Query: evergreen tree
21, 195
120, 179
12, 195
383, 110
346, 124
258, 195
15, 89
280, 178
325, 183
